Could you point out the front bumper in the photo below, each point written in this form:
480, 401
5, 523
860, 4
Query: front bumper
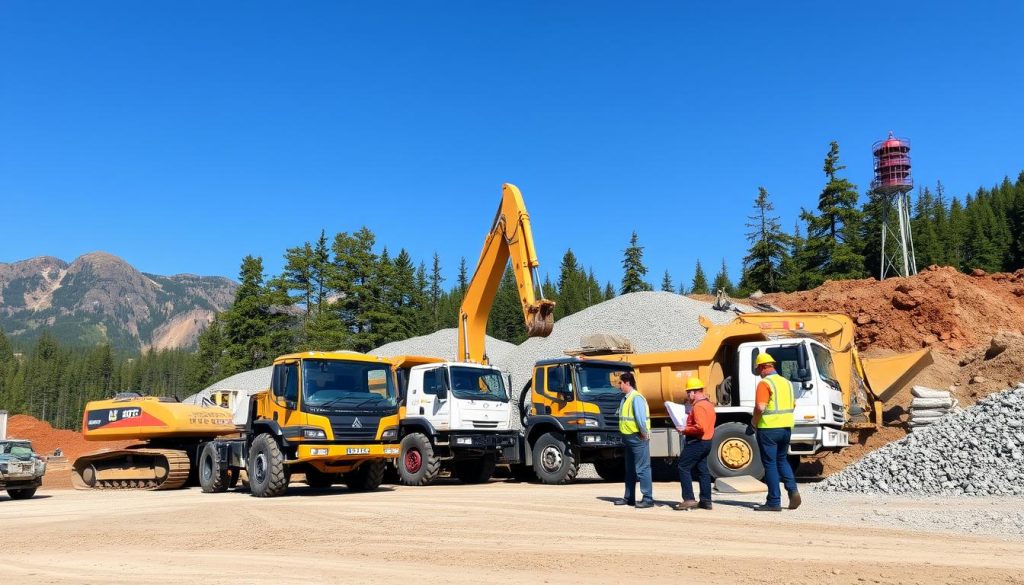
20, 481
489, 441
808, 440
324, 453
599, 439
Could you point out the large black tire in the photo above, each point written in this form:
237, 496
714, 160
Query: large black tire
21, 493
524, 403
213, 475
553, 461
319, 480
268, 476
367, 477
475, 470
417, 463
611, 469
734, 452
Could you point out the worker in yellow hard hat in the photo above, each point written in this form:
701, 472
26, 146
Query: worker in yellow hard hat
774, 402
695, 439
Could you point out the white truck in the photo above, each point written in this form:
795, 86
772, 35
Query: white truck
453, 416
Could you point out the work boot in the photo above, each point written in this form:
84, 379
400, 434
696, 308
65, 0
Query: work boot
794, 500
686, 505
767, 508
645, 503
625, 502
704, 505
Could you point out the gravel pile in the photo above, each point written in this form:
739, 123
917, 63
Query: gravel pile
442, 344
978, 451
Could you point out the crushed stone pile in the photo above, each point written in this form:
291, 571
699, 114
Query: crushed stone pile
441, 344
978, 451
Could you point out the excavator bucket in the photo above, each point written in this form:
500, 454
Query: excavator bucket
885, 376
542, 318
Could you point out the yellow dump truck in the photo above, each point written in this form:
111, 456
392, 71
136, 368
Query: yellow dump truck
332, 416
572, 401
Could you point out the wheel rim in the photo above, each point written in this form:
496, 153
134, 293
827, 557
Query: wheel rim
413, 461
551, 459
260, 470
735, 454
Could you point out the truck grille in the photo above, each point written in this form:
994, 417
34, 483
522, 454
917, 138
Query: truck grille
348, 430
485, 424
610, 412
837, 413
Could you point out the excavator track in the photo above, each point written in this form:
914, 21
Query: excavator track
131, 469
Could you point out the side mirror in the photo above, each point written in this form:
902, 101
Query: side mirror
803, 375
290, 404
442, 394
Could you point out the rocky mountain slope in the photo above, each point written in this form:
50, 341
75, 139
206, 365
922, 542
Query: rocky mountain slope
99, 297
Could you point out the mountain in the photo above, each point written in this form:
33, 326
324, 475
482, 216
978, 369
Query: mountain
101, 298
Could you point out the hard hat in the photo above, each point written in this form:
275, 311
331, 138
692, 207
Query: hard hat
764, 358
694, 383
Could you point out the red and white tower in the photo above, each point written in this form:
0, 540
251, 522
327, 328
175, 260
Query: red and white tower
893, 182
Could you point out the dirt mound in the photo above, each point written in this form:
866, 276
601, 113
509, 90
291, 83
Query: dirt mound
940, 308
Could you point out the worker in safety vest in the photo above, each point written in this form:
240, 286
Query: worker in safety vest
774, 402
635, 426
696, 444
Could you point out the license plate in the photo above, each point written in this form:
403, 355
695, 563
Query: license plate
357, 451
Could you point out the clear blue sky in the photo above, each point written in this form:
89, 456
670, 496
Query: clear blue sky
182, 136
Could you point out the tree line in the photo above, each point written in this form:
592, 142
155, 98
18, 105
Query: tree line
347, 292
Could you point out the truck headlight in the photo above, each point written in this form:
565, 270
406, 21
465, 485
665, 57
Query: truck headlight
389, 435
314, 434
591, 438
590, 422
464, 441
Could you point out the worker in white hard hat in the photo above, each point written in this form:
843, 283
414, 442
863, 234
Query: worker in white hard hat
774, 402
696, 438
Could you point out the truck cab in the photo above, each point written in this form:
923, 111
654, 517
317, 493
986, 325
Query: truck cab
21, 470
454, 416
332, 416
572, 416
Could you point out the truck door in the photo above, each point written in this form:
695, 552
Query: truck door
431, 399
284, 395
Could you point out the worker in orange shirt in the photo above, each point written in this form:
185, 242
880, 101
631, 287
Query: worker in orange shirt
696, 439
774, 402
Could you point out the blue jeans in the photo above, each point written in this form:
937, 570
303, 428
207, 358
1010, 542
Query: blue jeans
638, 465
774, 447
695, 457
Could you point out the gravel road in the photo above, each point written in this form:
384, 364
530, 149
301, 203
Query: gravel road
499, 532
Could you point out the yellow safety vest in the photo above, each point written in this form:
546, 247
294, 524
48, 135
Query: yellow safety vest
779, 412
627, 424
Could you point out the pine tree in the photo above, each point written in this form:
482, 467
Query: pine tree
572, 287
609, 291
762, 266
435, 291
790, 274
463, 277
298, 274
594, 293
506, 318
834, 249
722, 281
699, 286
355, 265
633, 268
666, 283
246, 327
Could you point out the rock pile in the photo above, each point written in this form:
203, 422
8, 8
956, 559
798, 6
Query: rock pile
978, 451
928, 406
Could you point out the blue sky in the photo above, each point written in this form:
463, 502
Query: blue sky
182, 136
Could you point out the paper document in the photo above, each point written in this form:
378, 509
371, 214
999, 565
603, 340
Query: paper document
678, 414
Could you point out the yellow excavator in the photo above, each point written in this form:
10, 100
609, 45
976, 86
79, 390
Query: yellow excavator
510, 236
173, 433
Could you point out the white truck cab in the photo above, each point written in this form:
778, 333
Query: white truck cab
454, 416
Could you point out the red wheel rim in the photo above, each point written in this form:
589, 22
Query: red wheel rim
413, 461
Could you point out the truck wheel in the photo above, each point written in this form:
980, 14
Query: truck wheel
611, 469
22, 493
367, 477
319, 480
475, 470
734, 452
417, 464
213, 477
268, 477
553, 461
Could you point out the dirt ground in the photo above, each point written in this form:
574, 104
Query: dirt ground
498, 532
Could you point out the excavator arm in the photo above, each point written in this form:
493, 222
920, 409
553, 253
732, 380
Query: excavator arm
510, 237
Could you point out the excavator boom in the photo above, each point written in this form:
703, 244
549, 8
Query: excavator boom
510, 236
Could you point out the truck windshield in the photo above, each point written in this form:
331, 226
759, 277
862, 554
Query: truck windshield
337, 382
599, 381
823, 361
19, 450
477, 384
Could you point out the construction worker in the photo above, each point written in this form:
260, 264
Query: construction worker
696, 444
635, 427
773, 418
